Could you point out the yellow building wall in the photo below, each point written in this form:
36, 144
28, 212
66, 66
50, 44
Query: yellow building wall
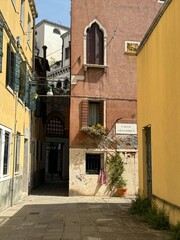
159, 106
14, 115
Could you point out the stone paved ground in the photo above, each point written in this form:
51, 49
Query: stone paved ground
48, 217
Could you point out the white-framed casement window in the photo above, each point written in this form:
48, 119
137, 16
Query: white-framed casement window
22, 13
17, 158
95, 42
94, 163
5, 140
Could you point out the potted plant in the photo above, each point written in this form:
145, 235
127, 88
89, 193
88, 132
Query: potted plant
116, 169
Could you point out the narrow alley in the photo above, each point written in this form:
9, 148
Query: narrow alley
51, 215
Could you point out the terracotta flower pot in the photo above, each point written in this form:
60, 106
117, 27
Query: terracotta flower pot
122, 191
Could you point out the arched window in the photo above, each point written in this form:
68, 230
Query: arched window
55, 127
56, 31
95, 45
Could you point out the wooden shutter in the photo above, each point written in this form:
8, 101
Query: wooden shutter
1, 45
16, 69
100, 47
26, 87
22, 80
8, 65
95, 45
101, 112
84, 113
31, 100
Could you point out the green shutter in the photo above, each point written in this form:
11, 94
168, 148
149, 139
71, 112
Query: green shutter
22, 80
8, 65
27, 88
16, 71
1, 45
31, 99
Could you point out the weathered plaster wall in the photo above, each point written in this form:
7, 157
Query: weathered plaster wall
88, 184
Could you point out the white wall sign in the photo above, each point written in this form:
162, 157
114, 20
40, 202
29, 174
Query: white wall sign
125, 128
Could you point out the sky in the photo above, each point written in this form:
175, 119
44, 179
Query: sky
57, 11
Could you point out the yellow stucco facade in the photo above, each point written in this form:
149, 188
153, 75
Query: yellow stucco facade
16, 58
158, 110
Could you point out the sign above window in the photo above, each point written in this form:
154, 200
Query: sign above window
126, 128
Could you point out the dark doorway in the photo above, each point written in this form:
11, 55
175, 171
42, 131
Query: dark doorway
148, 161
54, 165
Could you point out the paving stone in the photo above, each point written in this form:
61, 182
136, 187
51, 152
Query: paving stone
43, 217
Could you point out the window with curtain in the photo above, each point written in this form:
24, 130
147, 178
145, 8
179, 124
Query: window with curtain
95, 45
93, 113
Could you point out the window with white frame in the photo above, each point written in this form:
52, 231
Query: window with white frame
95, 41
17, 159
5, 138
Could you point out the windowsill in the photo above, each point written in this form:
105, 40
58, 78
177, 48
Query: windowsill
87, 65
10, 89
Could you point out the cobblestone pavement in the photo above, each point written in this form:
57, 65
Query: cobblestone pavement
48, 217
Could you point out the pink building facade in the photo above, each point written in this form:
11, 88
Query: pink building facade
104, 38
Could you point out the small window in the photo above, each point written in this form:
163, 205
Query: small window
93, 113
55, 127
93, 163
56, 31
95, 45
67, 53
5, 140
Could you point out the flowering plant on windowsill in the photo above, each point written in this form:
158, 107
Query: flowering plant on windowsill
95, 130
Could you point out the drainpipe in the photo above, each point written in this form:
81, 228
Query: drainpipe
44, 61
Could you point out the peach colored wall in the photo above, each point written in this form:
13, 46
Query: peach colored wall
123, 20
129, 19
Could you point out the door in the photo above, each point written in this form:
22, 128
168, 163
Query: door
148, 161
54, 163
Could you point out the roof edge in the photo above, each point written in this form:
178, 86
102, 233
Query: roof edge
153, 25
52, 23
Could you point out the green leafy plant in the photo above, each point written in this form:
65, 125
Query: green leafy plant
115, 171
150, 213
95, 130
175, 229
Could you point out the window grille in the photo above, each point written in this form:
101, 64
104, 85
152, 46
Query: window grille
93, 163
